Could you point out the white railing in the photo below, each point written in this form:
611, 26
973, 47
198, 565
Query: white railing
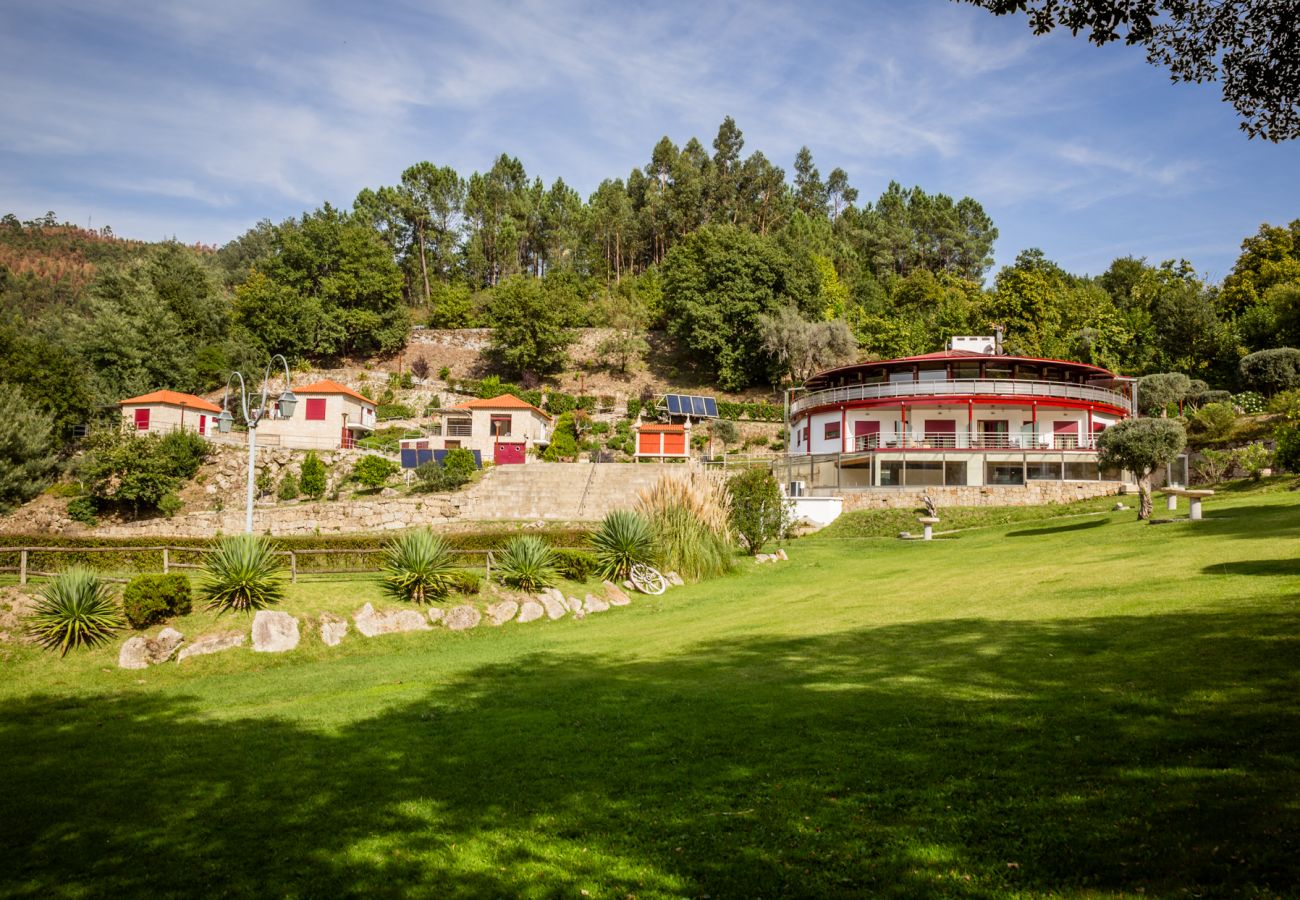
984, 387
947, 440
456, 429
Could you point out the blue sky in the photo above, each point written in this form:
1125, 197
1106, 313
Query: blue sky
195, 120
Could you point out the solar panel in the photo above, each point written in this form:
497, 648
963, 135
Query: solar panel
697, 406
674, 404
711, 407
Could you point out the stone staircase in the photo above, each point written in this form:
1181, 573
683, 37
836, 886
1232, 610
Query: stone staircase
564, 491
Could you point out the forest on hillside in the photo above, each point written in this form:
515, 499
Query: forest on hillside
757, 275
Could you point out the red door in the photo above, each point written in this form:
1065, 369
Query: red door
203, 424
866, 435
674, 443
508, 453
1066, 434
142, 420
941, 432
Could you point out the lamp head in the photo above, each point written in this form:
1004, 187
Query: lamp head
288, 401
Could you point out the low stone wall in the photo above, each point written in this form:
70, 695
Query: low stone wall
1035, 493
379, 514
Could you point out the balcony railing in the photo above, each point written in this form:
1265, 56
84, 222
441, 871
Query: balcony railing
452, 428
985, 387
946, 440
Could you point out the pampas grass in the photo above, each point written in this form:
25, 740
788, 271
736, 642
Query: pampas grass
690, 520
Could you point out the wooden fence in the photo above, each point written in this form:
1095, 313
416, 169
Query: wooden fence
168, 563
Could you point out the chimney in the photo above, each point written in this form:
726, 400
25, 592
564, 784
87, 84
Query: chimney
997, 340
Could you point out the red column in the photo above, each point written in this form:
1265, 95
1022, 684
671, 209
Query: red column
970, 423
844, 428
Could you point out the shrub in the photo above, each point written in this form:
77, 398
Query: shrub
76, 609
1214, 420
373, 471
1271, 371
633, 408
459, 462
624, 539
28, 460
137, 471
1213, 466
312, 477
527, 563
241, 574
417, 567
464, 581
1286, 405
1253, 459
83, 510
1250, 403
420, 367
394, 411
558, 403
758, 511
288, 487
1287, 454
457, 468
725, 431
689, 516
1156, 393
575, 565
444, 373
564, 440
149, 599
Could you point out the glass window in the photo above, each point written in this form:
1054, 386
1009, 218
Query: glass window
891, 472
500, 426
923, 474
1004, 473
1043, 471
954, 473
1081, 471
832, 432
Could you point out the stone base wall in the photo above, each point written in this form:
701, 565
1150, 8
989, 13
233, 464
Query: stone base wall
1037, 493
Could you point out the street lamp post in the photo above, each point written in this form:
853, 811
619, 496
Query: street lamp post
287, 402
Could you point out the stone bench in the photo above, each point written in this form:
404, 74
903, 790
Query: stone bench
1194, 499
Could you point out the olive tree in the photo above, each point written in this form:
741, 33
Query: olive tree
1141, 446
1156, 393
1271, 371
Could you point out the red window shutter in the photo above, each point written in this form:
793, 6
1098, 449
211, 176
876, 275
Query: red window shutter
316, 409
142, 420
203, 424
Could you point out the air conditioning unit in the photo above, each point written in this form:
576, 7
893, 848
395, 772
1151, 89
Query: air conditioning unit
796, 489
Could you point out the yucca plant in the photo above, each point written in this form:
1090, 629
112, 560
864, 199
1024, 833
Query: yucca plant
417, 567
689, 518
242, 574
624, 539
527, 563
76, 609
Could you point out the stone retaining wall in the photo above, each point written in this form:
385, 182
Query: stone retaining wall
1036, 493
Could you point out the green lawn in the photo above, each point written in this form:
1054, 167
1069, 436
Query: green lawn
1084, 706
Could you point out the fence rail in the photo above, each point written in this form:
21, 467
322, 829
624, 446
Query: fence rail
962, 440
482, 559
983, 387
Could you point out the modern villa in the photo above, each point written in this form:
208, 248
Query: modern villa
969, 415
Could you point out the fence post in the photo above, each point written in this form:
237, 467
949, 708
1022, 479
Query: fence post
22, 567
167, 565
488, 557
293, 567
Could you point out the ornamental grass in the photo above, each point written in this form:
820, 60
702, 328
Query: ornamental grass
689, 516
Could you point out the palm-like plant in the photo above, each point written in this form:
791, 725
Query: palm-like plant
242, 574
623, 539
527, 563
76, 609
417, 567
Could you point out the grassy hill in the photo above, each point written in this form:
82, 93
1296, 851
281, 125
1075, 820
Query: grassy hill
1086, 706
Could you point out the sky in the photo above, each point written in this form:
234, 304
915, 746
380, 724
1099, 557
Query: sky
195, 120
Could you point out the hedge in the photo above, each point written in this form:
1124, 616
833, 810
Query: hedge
756, 412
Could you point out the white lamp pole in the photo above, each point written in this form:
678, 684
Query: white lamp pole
287, 402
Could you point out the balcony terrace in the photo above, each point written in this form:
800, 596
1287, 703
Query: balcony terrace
961, 387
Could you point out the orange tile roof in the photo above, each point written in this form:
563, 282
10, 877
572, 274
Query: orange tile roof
171, 398
331, 387
664, 429
505, 401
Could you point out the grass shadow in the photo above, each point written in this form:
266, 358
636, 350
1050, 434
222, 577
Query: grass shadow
1276, 568
1059, 529
970, 758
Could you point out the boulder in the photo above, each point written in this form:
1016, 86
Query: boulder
371, 623
674, 579
595, 604
629, 585
557, 596
332, 629
212, 643
435, 614
555, 609
274, 632
530, 611
503, 612
462, 618
575, 605
781, 554
133, 654
615, 594
164, 646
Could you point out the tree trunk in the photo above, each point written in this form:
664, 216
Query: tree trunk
424, 266
1144, 497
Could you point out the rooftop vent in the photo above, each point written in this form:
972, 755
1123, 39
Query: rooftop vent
983, 344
